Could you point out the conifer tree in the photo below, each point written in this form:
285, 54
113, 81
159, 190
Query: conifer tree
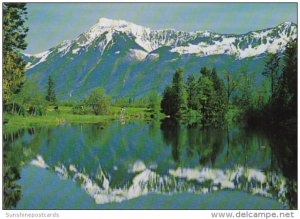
51, 97
180, 102
14, 33
191, 88
271, 70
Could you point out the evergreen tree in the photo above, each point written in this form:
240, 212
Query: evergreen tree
230, 85
167, 102
284, 103
51, 97
221, 99
191, 88
204, 71
14, 33
271, 70
245, 89
180, 102
174, 101
206, 97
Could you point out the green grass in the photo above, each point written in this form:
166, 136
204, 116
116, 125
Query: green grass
53, 118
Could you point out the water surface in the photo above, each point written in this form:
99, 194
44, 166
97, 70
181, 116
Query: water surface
138, 164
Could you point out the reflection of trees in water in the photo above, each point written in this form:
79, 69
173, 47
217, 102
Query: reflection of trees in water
172, 136
272, 152
11, 171
223, 150
11, 190
16, 152
198, 141
284, 148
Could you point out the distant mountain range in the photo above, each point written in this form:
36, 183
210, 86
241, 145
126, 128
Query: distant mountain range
130, 60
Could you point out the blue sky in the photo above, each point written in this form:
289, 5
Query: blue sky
51, 23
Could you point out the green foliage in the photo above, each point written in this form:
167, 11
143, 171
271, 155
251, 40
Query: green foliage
207, 99
245, 90
211, 97
11, 190
50, 97
230, 84
221, 98
154, 104
180, 96
191, 88
81, 108
281, 109
69, 103
97, 103
29, 101
14, 33
204, 99
167, 101
284, 100
271, 70
174, 101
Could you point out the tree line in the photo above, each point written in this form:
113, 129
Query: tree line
280, 106
203, 97
209, 99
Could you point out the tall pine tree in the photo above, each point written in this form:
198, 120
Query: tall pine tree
271, 70
178, 87
174, 101
51, 97
191, 88
14, 33
284, 103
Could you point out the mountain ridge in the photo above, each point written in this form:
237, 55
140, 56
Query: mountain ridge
124, 26
128, 59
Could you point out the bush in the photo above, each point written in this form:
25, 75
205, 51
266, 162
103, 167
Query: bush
98, 101
80, 108
70, 103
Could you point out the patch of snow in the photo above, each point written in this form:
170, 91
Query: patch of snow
26, 54
137, 54
72, 168
65, 47
42, 56
75, 51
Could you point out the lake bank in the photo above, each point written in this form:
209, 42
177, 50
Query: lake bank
65, 115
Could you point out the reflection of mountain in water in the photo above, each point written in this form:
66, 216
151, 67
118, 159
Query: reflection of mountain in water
121, 162
195, 180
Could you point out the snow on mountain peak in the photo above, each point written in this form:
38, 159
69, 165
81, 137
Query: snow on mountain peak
105, 22
201, 43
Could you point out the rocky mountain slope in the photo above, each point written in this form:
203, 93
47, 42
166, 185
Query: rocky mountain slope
130, 60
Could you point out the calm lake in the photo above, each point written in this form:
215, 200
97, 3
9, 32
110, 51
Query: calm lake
146, 165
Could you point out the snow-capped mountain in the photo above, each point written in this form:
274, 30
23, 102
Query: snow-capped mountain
116, 53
